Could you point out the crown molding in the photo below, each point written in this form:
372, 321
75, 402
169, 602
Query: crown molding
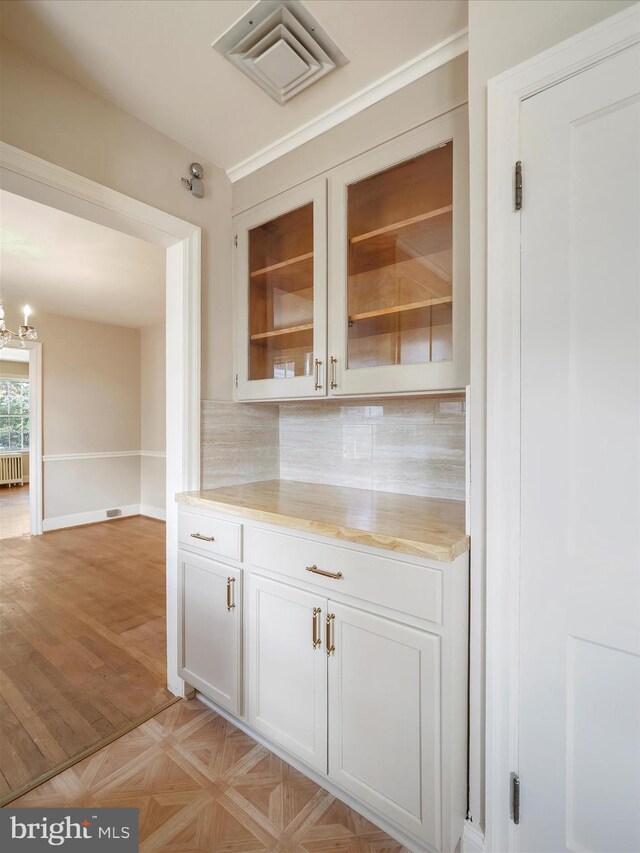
408, 73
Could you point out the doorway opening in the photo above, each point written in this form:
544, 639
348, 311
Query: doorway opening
31, 178
14, 442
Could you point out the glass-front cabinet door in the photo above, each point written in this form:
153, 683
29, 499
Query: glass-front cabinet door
399, 301
281, 279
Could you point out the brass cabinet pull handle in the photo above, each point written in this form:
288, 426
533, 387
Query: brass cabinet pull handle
316, 571
328, 634
204, 538
316, 627
317, 365
230, 606
333, 362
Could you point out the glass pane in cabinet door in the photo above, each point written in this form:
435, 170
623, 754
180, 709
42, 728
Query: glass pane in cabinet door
400, 263
281, 296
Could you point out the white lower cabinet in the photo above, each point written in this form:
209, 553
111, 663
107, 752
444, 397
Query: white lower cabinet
354, 664
325, 679
384, 718
210, 617
287, 668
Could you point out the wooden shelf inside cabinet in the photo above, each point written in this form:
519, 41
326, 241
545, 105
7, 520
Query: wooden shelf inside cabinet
401, 241
294, 275
425, 314
289, 338
404, 223
398, 309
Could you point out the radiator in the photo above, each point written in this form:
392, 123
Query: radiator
11, 471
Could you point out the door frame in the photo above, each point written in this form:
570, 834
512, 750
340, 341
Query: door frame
31, 177
505, 95
34, 349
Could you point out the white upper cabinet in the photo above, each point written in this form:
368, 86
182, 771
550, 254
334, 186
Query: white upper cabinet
397, 284
281, 291
399, 268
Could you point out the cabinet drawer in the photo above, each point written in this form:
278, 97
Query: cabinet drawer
210, 535
404, 587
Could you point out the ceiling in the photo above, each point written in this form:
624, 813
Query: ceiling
154, 59
61, 264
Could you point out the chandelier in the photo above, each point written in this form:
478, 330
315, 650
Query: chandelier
25, 331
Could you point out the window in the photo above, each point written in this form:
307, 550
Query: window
14, 414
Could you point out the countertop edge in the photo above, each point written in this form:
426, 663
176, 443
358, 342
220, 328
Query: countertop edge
440, 553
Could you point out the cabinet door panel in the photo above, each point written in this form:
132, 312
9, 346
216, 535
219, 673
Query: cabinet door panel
287, 683
281, 284
210, 632
384, 718
399, 274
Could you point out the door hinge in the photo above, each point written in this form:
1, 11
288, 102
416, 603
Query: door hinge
235, 241
518, 186
236, 380
515, 798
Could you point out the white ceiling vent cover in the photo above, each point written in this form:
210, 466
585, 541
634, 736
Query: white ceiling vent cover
281, 47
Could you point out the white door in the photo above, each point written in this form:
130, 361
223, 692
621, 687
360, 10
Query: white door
384, 718
287, 681
210, 629
579, 691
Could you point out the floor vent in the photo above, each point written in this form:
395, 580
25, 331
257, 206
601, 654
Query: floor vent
114, 513
281, 47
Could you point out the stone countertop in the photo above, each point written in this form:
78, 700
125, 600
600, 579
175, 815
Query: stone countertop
426, 527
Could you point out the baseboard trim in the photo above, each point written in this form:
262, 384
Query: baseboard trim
158, 512
75, 519
472, 838
410, 843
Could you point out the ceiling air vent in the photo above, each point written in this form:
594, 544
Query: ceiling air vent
281, 47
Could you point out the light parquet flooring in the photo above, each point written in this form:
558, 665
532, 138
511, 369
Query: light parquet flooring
82, 642
14, 511
202, 786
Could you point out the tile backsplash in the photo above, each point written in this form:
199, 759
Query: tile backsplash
239, 443
413, 446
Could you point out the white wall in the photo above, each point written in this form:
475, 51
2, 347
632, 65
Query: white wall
502, 33
48, 114
90, 404
14, 369
152, 420
103, 394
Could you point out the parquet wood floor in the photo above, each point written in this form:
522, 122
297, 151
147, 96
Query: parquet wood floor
204, 786
82, 642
